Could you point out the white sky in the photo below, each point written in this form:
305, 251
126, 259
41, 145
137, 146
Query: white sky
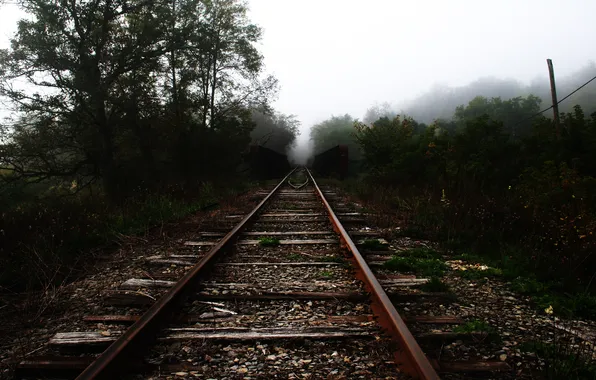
342, 56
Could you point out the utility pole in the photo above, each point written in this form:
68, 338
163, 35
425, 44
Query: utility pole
553, 91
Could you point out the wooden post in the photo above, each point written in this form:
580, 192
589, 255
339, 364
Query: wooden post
553, 91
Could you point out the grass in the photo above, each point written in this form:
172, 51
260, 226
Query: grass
435, 285
544, 293
50, 233
478, 326
562, 362
295, 257
422, 266
373, 245
421, 253
268, 242
474, 326
326, 274
479, 273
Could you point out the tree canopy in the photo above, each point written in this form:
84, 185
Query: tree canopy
107, 88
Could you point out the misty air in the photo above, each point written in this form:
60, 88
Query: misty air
260, 189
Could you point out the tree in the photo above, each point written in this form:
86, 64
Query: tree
274, 130
108, 87
338, 130
510, 112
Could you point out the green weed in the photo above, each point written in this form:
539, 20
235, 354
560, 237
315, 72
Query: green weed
268, 242
543, 293
421, 253
295, 257
425, 267
333, 259
474, 326
435, 285
561, 361
373, 245
477, 273
326, 274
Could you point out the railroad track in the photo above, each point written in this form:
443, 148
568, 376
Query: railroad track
285, 293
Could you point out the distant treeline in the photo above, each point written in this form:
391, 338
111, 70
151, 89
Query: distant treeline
440, 101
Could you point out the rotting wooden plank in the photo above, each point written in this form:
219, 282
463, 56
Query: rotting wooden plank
275, 215
292, 264
286, 233
365, 233
130, 319
292, 242
292, 295
298, 284
400, 281
200, 243
136, 283
220, 316
470, 366
298, 220
266, 296
434, 319
171, 262
83, 338
175, 257
266, 334
211, 234
91, 339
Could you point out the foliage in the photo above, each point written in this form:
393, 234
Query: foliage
421, 253
373, 245
422, 266
435, 285
274, 131
44, 241
268, 242
485, 182
475, 325
326, 274
338, 130
563, 362
475, 273
544, 293
104, 89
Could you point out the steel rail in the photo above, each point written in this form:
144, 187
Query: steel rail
409, 356
136, 340
298, 187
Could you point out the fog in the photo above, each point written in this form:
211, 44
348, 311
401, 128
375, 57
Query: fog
423, 57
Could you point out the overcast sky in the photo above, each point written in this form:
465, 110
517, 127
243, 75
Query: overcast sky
342, 56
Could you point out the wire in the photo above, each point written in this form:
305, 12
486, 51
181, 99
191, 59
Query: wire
579, 88
558, 102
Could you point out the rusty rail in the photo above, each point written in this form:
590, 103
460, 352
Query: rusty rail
136, 340
409, 356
